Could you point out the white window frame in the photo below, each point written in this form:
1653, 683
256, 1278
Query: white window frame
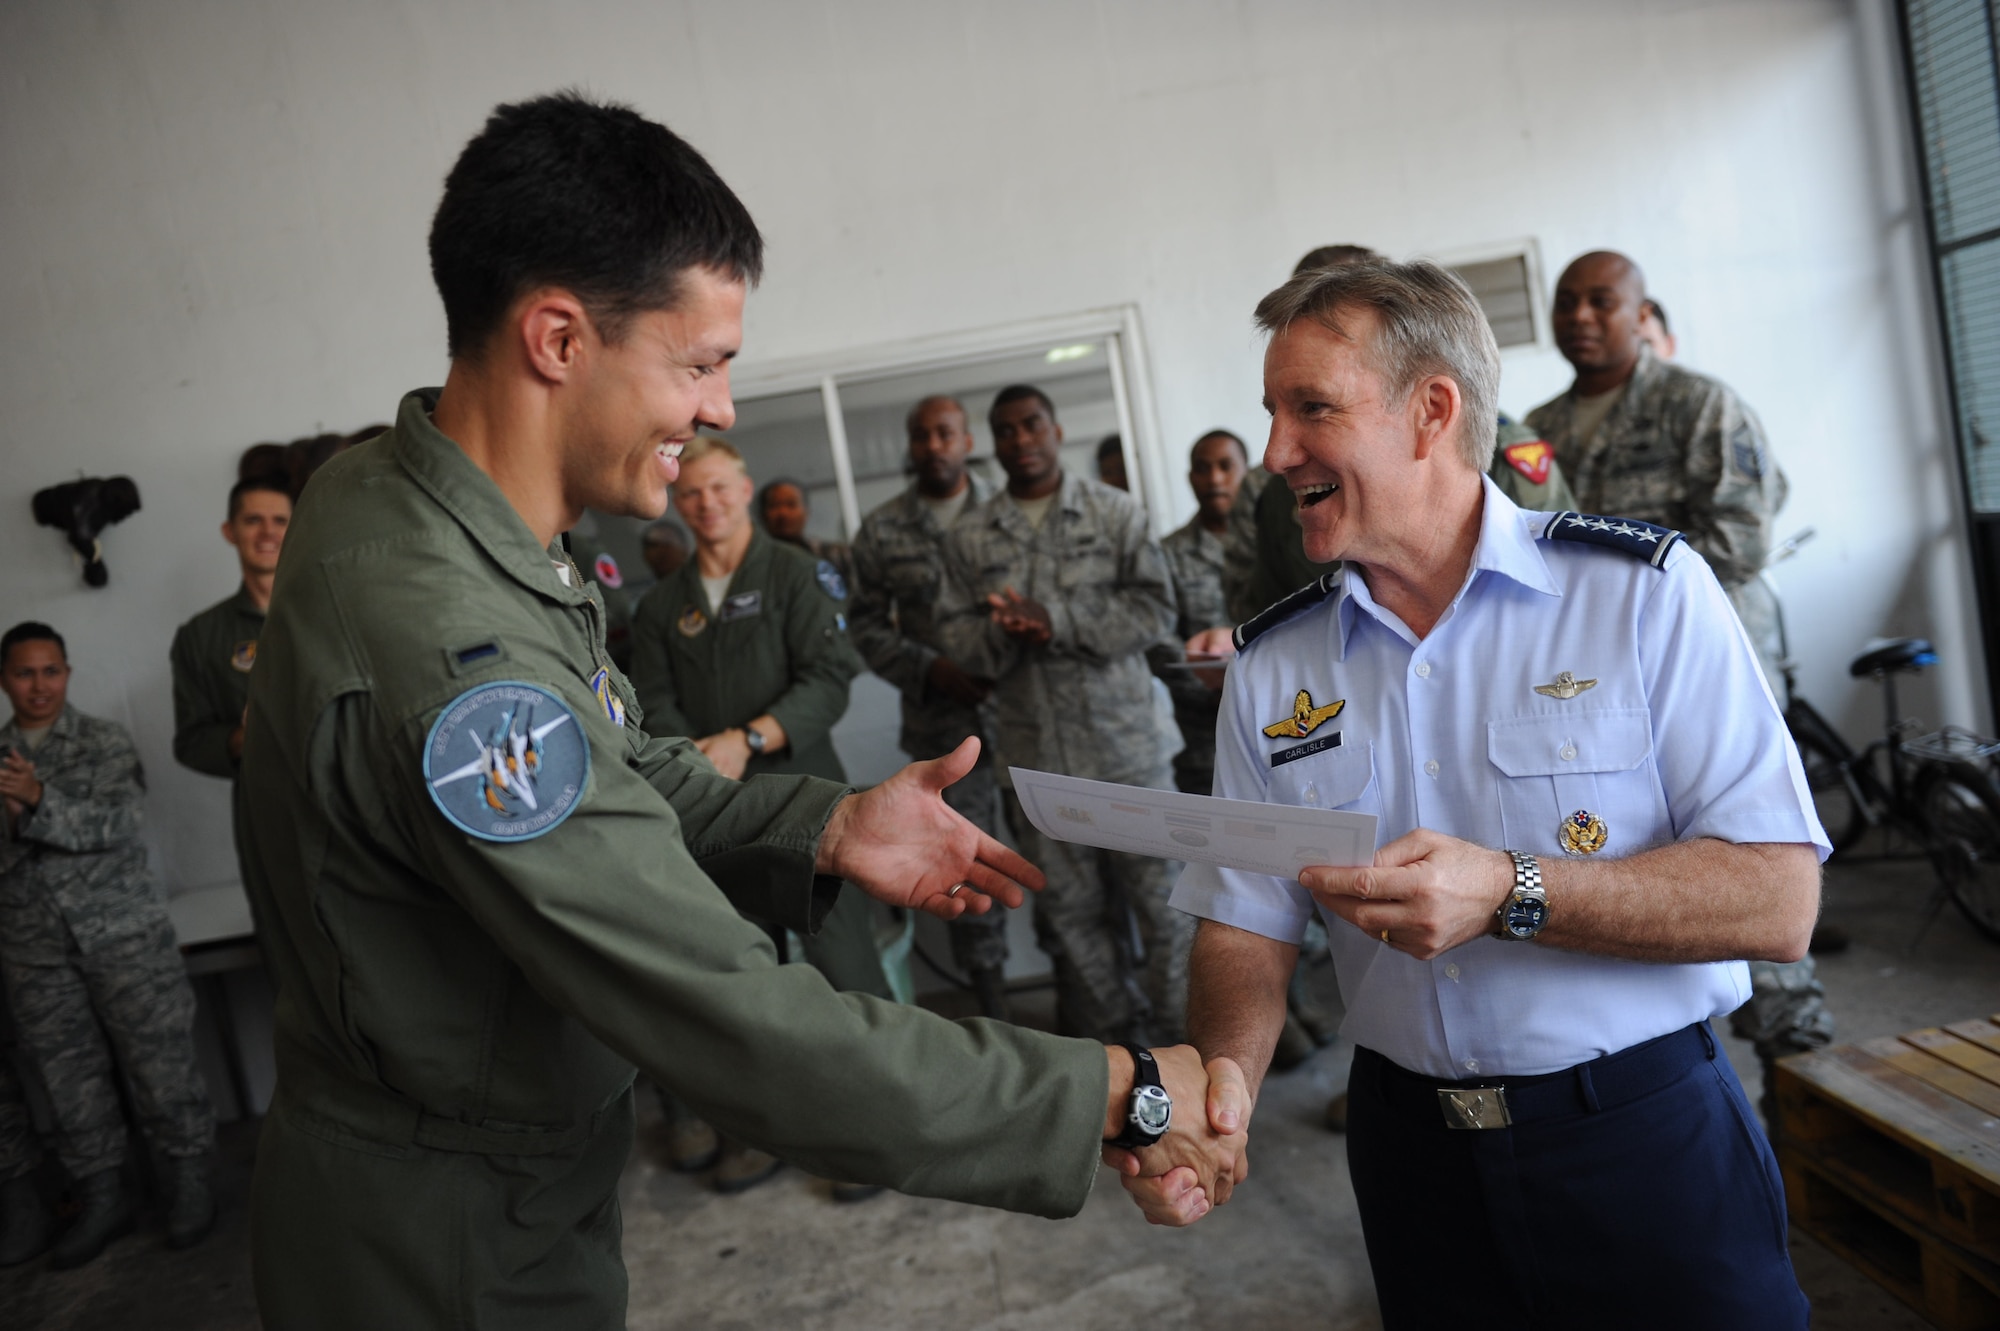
1116, 326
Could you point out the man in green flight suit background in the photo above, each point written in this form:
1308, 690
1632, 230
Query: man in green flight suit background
486, 895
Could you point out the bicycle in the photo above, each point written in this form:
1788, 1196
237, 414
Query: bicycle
1938, 797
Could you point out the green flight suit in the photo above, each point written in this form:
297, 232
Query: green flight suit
211, 658
1277, 563
458, 1019
778, 644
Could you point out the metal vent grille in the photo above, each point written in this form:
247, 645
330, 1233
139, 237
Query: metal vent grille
1506, 292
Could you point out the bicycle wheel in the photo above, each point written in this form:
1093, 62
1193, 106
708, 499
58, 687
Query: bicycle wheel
1833, 798
1961, 811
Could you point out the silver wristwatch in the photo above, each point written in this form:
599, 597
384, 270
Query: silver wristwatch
754, 738
1526, 909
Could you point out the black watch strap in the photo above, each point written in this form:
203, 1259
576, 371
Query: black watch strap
1145, 1076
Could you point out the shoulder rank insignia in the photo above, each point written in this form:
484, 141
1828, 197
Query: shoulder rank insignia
506, 761
1325, 585
1642, 539
1531, 458
830, 580
1305, 717
605, 569
607, 697
1566, 686
692, 621
243, 656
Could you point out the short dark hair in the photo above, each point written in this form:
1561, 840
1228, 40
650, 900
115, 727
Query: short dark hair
1110, 446
31, 631
585, 195
1242, 449
1659, 312
1334, 256
665, 532
1013, 393
910, 421
774, 483
266, 481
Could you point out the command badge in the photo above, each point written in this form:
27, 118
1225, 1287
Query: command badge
607, 697
1566, 686
830, 581
1583, 833
1305, 717
692, 621
506, 761
243, 656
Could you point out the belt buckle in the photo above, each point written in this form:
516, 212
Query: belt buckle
1475, 1108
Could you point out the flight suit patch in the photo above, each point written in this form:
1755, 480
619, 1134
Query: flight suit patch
743, 605
692, 622
607, 697
1531, 458
506, 761
243, 656
605, 569
830, 580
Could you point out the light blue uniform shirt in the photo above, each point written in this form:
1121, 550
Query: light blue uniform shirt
1678, 738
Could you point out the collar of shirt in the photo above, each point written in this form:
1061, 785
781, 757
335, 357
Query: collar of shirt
918, 512
62, 728
1506, 548
459, 487
243, 604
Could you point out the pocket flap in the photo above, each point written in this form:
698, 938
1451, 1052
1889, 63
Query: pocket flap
1609, 740
1329, 780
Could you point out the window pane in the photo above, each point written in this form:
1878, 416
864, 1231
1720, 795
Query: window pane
1972, 331
1951, 48
785, 436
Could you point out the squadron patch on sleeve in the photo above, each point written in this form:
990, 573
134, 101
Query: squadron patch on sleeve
243, 656
506, 761
830, 580
1531, 458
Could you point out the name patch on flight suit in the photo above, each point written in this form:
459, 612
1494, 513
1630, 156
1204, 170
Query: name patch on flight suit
830, 580
506, 761
1306, 750
243, 656
740, 606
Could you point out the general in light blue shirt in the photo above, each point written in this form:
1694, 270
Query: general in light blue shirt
1667, 733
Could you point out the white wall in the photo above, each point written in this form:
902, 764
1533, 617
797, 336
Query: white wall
212, 232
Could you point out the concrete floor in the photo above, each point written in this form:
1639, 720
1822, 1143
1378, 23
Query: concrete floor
1286, 1254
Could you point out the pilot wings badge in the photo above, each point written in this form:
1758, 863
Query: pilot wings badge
1305, 717
506, 761
1566, 686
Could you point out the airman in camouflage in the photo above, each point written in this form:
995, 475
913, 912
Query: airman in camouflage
1216, 468
1054, 591
898, 569
84, 943
1641, 437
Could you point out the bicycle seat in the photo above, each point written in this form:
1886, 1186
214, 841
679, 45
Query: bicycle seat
1911, 654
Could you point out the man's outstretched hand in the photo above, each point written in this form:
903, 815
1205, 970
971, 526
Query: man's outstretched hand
1204, 1155
903, 845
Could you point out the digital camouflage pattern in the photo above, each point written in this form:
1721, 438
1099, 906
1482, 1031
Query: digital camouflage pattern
211, 659
1081, 705
1195, 554
460, 1020
84, 944
898, 561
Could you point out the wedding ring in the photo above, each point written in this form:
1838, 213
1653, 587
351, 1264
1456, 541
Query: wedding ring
956, 888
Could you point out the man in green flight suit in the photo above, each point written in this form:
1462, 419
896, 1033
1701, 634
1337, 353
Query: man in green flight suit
213, 652
744, 649
487, 895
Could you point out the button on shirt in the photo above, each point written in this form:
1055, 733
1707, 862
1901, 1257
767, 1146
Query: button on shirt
1678, 738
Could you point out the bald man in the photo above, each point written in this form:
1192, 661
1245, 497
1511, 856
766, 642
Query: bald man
1642, 438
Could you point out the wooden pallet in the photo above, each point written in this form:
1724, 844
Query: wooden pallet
1891, 1155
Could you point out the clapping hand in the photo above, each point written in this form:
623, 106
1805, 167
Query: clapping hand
19, 784
1020, 618
1197, 1165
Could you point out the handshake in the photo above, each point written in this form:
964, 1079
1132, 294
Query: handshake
1203, 1156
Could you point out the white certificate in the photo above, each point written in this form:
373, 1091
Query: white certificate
1276, 839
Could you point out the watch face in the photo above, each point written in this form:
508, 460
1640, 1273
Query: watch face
1525, 916
1152, 1109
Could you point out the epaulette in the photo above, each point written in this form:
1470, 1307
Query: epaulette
1642, 540
1325, 585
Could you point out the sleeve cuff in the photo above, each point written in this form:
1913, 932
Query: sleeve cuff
1252, 902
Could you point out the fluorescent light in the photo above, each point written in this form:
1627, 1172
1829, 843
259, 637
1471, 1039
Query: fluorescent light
1057, 355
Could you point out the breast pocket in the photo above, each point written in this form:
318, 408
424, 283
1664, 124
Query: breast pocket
1089, 561
1588, 770
1340, 778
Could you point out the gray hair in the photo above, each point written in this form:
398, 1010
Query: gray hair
1427, 323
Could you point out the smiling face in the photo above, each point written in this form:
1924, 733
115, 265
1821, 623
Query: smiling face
713, 498
638, 401
257, 530
35, 678
1597, 313
1350, 458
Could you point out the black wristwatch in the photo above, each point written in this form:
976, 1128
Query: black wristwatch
754, 738
1151, 1110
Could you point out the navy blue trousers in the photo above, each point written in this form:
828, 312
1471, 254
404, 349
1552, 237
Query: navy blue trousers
1636, 1191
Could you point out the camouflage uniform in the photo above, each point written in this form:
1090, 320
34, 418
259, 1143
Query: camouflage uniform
1081, 705
897, 559
1195, 554
1681, 450
84, 942
1266, 560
